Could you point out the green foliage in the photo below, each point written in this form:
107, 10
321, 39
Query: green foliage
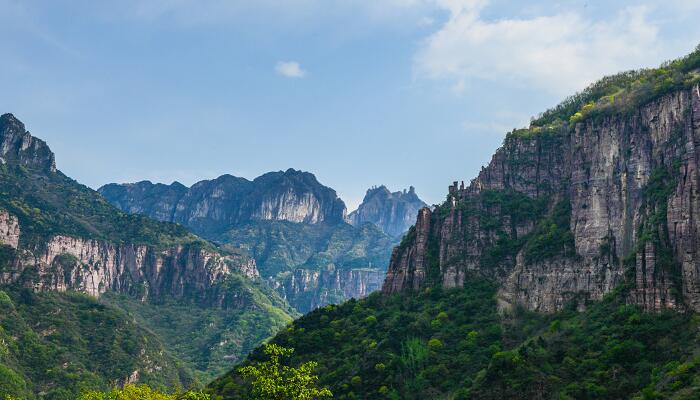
141, 392
402, 354
209, 340
49, 204
610, 351
552, 235
60, 344
270, 380
624, 92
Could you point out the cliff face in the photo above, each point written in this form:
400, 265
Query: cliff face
17, 146
212, 206
95, 267
393, 212
309, 289
564, 213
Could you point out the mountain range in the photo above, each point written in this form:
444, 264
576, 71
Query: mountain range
294, 227
569, 268
90, 294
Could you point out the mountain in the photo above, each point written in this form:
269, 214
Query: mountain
211, 207
58, 237
292, 225
393, 212
567, 269
597, 188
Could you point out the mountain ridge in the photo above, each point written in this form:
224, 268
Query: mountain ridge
392, 212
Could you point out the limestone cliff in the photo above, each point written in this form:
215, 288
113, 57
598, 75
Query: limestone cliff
392, 212
566, 211
210, 207
309, 289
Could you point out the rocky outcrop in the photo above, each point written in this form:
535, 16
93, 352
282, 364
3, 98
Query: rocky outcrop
628, 185
312, 289
213, 206
9, 229
94, 267
393, 212
17, 146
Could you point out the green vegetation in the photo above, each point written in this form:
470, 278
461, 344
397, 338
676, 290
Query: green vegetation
552, 235
60, 344
50, 204
271, 380
281, 246
453, 344
624, 92
141, 392
211, 339
502, 212
392, 344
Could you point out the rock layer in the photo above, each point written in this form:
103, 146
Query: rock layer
630, 182
94, 267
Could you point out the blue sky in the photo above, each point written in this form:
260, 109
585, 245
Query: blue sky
361, 93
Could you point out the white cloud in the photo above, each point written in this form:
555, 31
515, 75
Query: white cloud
290, 69
560, 53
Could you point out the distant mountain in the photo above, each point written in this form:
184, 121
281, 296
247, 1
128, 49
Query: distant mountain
213, 206
58, 236
292, 225
393, 212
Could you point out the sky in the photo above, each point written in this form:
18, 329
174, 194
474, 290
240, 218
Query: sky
360, 93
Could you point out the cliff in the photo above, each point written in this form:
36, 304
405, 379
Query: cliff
392, 212
599, 192
94, 267
309, 289
210, 207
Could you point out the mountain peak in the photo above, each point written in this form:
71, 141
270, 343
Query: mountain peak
19, 147
393, 212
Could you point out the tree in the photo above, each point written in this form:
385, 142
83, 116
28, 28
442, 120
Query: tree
272, 381
141, 392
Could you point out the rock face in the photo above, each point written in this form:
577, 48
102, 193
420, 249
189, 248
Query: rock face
563, 214
393, 212
94, 267
312, 289
17, 146
212, 206
9, 229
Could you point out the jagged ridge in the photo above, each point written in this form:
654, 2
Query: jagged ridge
392, 212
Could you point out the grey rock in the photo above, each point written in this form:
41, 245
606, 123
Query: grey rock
602, 167
392, 212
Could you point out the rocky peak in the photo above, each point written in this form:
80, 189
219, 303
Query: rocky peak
19, 147
213, 206
393, 212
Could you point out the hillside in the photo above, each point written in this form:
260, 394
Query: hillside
58, 237
567, 269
